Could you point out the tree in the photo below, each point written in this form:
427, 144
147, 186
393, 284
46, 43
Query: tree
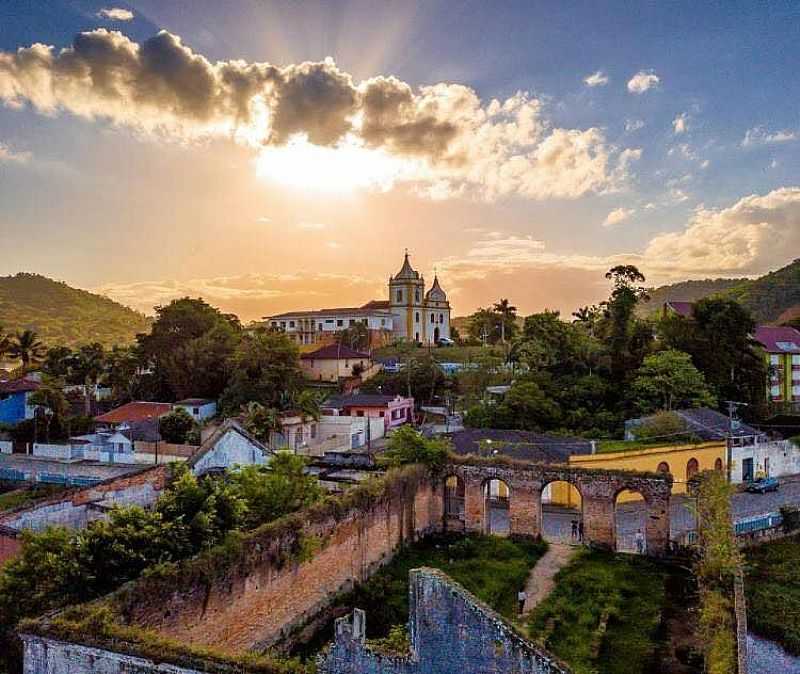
621, 323
264, 369
508, 318
308, 403
356, 337
176, 426
261, 421
57, 361
484, 326
26, 346
5, 344
51, 408
668, 380
407, 445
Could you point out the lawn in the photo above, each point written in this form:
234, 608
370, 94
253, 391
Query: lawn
610, 446
605, 614
492, 568
772, 584
445, 354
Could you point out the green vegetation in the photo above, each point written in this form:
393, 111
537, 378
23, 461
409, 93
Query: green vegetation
604, 614
408, 446
60, 567
773, 591
718, 564
65, 316
493, 569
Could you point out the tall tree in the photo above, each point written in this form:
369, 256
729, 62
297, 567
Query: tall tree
261, 421
26, 346
508, 318
668, 380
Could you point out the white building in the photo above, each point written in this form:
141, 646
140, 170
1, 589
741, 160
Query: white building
410, 313
199, 409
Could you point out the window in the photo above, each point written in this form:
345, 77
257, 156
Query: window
383, 322
274, 324
382, 413
441, 318
351, 322
320, 326
195, 411
399, 295
433, 318
340, 323
416, 294
691, 468
283, 324
364, 321
360, 413
663, 467
416, 317
329, 321
291, 324
313, 431
774, 359
718, 465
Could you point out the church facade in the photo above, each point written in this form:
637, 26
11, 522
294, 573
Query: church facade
411, 313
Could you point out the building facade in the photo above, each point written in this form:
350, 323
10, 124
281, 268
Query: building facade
411, 313
782, 345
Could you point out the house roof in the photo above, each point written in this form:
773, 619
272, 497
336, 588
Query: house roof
360, 400
135, 411
706, 424
436, 293
522, 445
334, 352
380, 305
406, 271
195, 402
19, 386
684, 309
778, 339
364, 311
230, 425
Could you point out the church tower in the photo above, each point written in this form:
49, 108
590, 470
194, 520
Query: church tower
407, 303
437, 313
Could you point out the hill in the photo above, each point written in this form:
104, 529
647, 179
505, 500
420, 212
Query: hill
62, 315
774, 297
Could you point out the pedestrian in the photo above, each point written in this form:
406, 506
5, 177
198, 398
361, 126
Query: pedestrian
580, 531
574, 530
522, 596
639, 542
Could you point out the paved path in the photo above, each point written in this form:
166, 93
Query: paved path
540, 581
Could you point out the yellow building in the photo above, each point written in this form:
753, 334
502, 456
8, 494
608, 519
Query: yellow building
334, 362
682, 461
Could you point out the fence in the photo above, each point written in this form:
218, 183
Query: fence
66, 480
746, 529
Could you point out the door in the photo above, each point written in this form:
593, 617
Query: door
747, 470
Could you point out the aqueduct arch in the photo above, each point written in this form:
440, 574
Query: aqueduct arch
598, 489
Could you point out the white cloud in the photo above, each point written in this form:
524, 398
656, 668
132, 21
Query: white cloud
597, 79
705, 163
451, 142
774, 163
633, 125
643, 81
264, 219
680, 124
115, 14
618, 215
758, 135
9, 155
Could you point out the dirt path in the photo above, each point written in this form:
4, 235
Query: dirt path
540, 581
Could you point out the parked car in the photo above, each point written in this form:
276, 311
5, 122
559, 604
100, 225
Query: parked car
763, 485
446, 341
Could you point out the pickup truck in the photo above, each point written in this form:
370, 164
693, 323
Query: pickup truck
763, 485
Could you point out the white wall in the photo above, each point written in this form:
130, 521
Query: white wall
784, 459
232, 449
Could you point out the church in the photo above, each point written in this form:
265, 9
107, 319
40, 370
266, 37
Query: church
411, 313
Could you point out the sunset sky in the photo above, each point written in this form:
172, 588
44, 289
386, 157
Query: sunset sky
270, 156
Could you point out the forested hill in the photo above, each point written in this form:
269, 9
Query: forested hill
771, 298
62, 315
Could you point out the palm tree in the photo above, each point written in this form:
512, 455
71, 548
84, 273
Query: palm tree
507, 313
309, 404
261, 421
5, 344
27, 347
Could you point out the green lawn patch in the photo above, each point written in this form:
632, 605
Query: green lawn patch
492, 568
608, 446
604, 614
772, 584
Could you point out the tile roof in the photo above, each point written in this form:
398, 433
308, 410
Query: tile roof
334, 352
684, 309
230, 425
19, 386
360, 400
195, 401
778, 339
134, 411
366, 310
706, 424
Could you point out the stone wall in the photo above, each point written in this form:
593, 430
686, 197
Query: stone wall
451, 632
76, 508
261, 598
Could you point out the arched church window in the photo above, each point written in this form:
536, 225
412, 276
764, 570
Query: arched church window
441, 318
416, 317
433, 318
416, 294
399, 295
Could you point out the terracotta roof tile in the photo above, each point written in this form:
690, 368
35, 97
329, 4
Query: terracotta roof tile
134, 411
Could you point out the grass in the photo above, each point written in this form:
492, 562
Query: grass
494, 569
772, 584
24, 496
445, 354
609, 446
604, 614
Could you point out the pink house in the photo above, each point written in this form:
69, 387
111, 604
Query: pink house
394, 410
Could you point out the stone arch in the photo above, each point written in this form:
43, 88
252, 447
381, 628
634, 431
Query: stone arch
692, 468
561, 508
454, 503
630, 521
663, 467
496, 506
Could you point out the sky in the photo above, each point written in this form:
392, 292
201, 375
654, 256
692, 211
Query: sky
272, 156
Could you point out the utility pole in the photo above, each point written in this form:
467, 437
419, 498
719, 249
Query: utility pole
733, 424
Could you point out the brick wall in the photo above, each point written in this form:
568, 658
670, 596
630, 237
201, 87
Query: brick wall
451, 632
262, 599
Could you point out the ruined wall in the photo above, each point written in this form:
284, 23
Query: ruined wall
75, 509
49, 656
451, 632
261, 597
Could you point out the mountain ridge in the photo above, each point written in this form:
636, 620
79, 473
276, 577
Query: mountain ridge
65, 316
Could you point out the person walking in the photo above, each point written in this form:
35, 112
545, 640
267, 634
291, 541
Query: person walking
574, 530
522, 597
580, 531
639, 542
